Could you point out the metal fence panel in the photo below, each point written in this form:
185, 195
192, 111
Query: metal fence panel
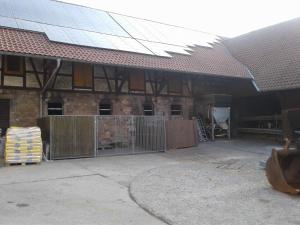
90, 136
119, 135
71, 137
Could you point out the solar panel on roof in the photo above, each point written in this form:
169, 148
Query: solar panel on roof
27, 25
163, 49
79, 25
8, 22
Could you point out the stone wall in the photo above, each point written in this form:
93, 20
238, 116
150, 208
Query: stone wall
24, 106
88, 104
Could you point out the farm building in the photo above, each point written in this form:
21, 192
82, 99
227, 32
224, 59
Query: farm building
64, 59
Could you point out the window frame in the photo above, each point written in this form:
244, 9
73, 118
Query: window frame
105, 109
76, 66
135, 73
6, 71
55, 108
152, 109
175, 110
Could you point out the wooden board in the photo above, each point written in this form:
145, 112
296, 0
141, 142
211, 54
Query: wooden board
137, 80
181, 134
83, 75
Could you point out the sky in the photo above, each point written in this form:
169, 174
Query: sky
228, 18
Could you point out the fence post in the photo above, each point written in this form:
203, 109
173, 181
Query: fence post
133, 133
165, 133
95, 136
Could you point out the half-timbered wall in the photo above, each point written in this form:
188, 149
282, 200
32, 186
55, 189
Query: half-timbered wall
81, 88
83, 77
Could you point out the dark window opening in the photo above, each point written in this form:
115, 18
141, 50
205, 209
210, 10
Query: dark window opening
176, 110
105, 109
13, 65
4, 116
148, 109
55, 108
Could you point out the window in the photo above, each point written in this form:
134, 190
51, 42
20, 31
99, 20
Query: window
13, 65
176, 110
148, 109
55, 108
137, 80
83, 76
105, 109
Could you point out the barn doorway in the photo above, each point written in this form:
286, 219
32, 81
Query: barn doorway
4, 116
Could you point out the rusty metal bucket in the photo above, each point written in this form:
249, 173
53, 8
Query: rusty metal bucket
283, 170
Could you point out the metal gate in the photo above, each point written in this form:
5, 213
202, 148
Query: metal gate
91, 136
117, 135
71, 137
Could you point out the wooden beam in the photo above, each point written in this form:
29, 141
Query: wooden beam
124, 79
35, 72
107, 80
188, 86
52, 76
151, 83
162, 85
116, 81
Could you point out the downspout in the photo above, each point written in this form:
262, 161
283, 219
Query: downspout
52, 76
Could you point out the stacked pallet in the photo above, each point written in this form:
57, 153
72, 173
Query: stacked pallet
23, 145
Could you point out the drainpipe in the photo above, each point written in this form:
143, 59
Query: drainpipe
52, 76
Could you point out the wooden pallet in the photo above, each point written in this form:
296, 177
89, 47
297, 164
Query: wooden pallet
22, 164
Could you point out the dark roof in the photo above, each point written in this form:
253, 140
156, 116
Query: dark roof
272, 54
215, 61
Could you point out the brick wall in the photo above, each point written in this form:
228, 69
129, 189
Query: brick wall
25, 109
88, 103
24, 106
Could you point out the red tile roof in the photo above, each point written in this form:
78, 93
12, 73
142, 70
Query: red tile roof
272, 54
214, 61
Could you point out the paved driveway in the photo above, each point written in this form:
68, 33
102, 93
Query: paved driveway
215, 183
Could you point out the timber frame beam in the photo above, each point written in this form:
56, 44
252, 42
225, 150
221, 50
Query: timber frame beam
53, 73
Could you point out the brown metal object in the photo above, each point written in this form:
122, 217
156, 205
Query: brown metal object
181, 133
283, 170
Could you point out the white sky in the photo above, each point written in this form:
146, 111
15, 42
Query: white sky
227, 18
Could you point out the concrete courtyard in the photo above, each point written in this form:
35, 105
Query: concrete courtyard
216, 183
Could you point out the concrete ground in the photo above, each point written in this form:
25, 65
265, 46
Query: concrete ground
216, 183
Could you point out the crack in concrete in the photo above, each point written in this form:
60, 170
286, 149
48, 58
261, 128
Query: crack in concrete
58, 178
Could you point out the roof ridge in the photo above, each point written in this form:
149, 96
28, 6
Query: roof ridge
266, 27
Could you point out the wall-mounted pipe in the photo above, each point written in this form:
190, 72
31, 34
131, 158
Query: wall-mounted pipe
58, 63
52, 76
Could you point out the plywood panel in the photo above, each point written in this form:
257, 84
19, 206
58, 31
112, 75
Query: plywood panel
137, 80
83, 75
